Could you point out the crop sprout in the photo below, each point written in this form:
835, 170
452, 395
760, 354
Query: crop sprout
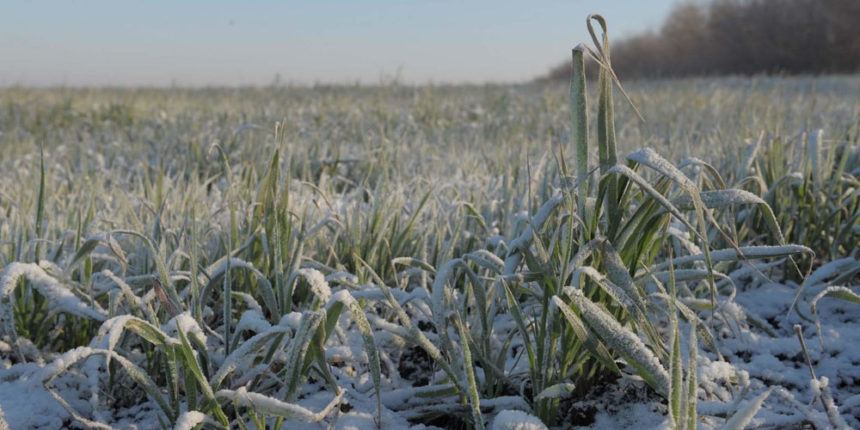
197, 283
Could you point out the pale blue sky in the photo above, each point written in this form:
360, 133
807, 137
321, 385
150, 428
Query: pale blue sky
159, 42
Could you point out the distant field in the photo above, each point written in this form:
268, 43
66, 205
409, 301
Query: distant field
411, 245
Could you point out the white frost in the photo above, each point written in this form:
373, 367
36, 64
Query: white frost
516, 420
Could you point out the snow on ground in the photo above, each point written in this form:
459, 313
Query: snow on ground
766, 360
750, 354
516, 420
25, 403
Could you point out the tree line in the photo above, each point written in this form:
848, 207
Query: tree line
743, 37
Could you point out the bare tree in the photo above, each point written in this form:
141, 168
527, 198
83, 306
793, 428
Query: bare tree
744, 37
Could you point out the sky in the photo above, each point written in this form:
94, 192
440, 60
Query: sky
233, 43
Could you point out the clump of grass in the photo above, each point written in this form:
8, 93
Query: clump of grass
811, 183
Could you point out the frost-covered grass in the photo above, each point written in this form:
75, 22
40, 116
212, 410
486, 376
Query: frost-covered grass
457, 257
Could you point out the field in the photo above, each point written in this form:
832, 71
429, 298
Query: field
422, 257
